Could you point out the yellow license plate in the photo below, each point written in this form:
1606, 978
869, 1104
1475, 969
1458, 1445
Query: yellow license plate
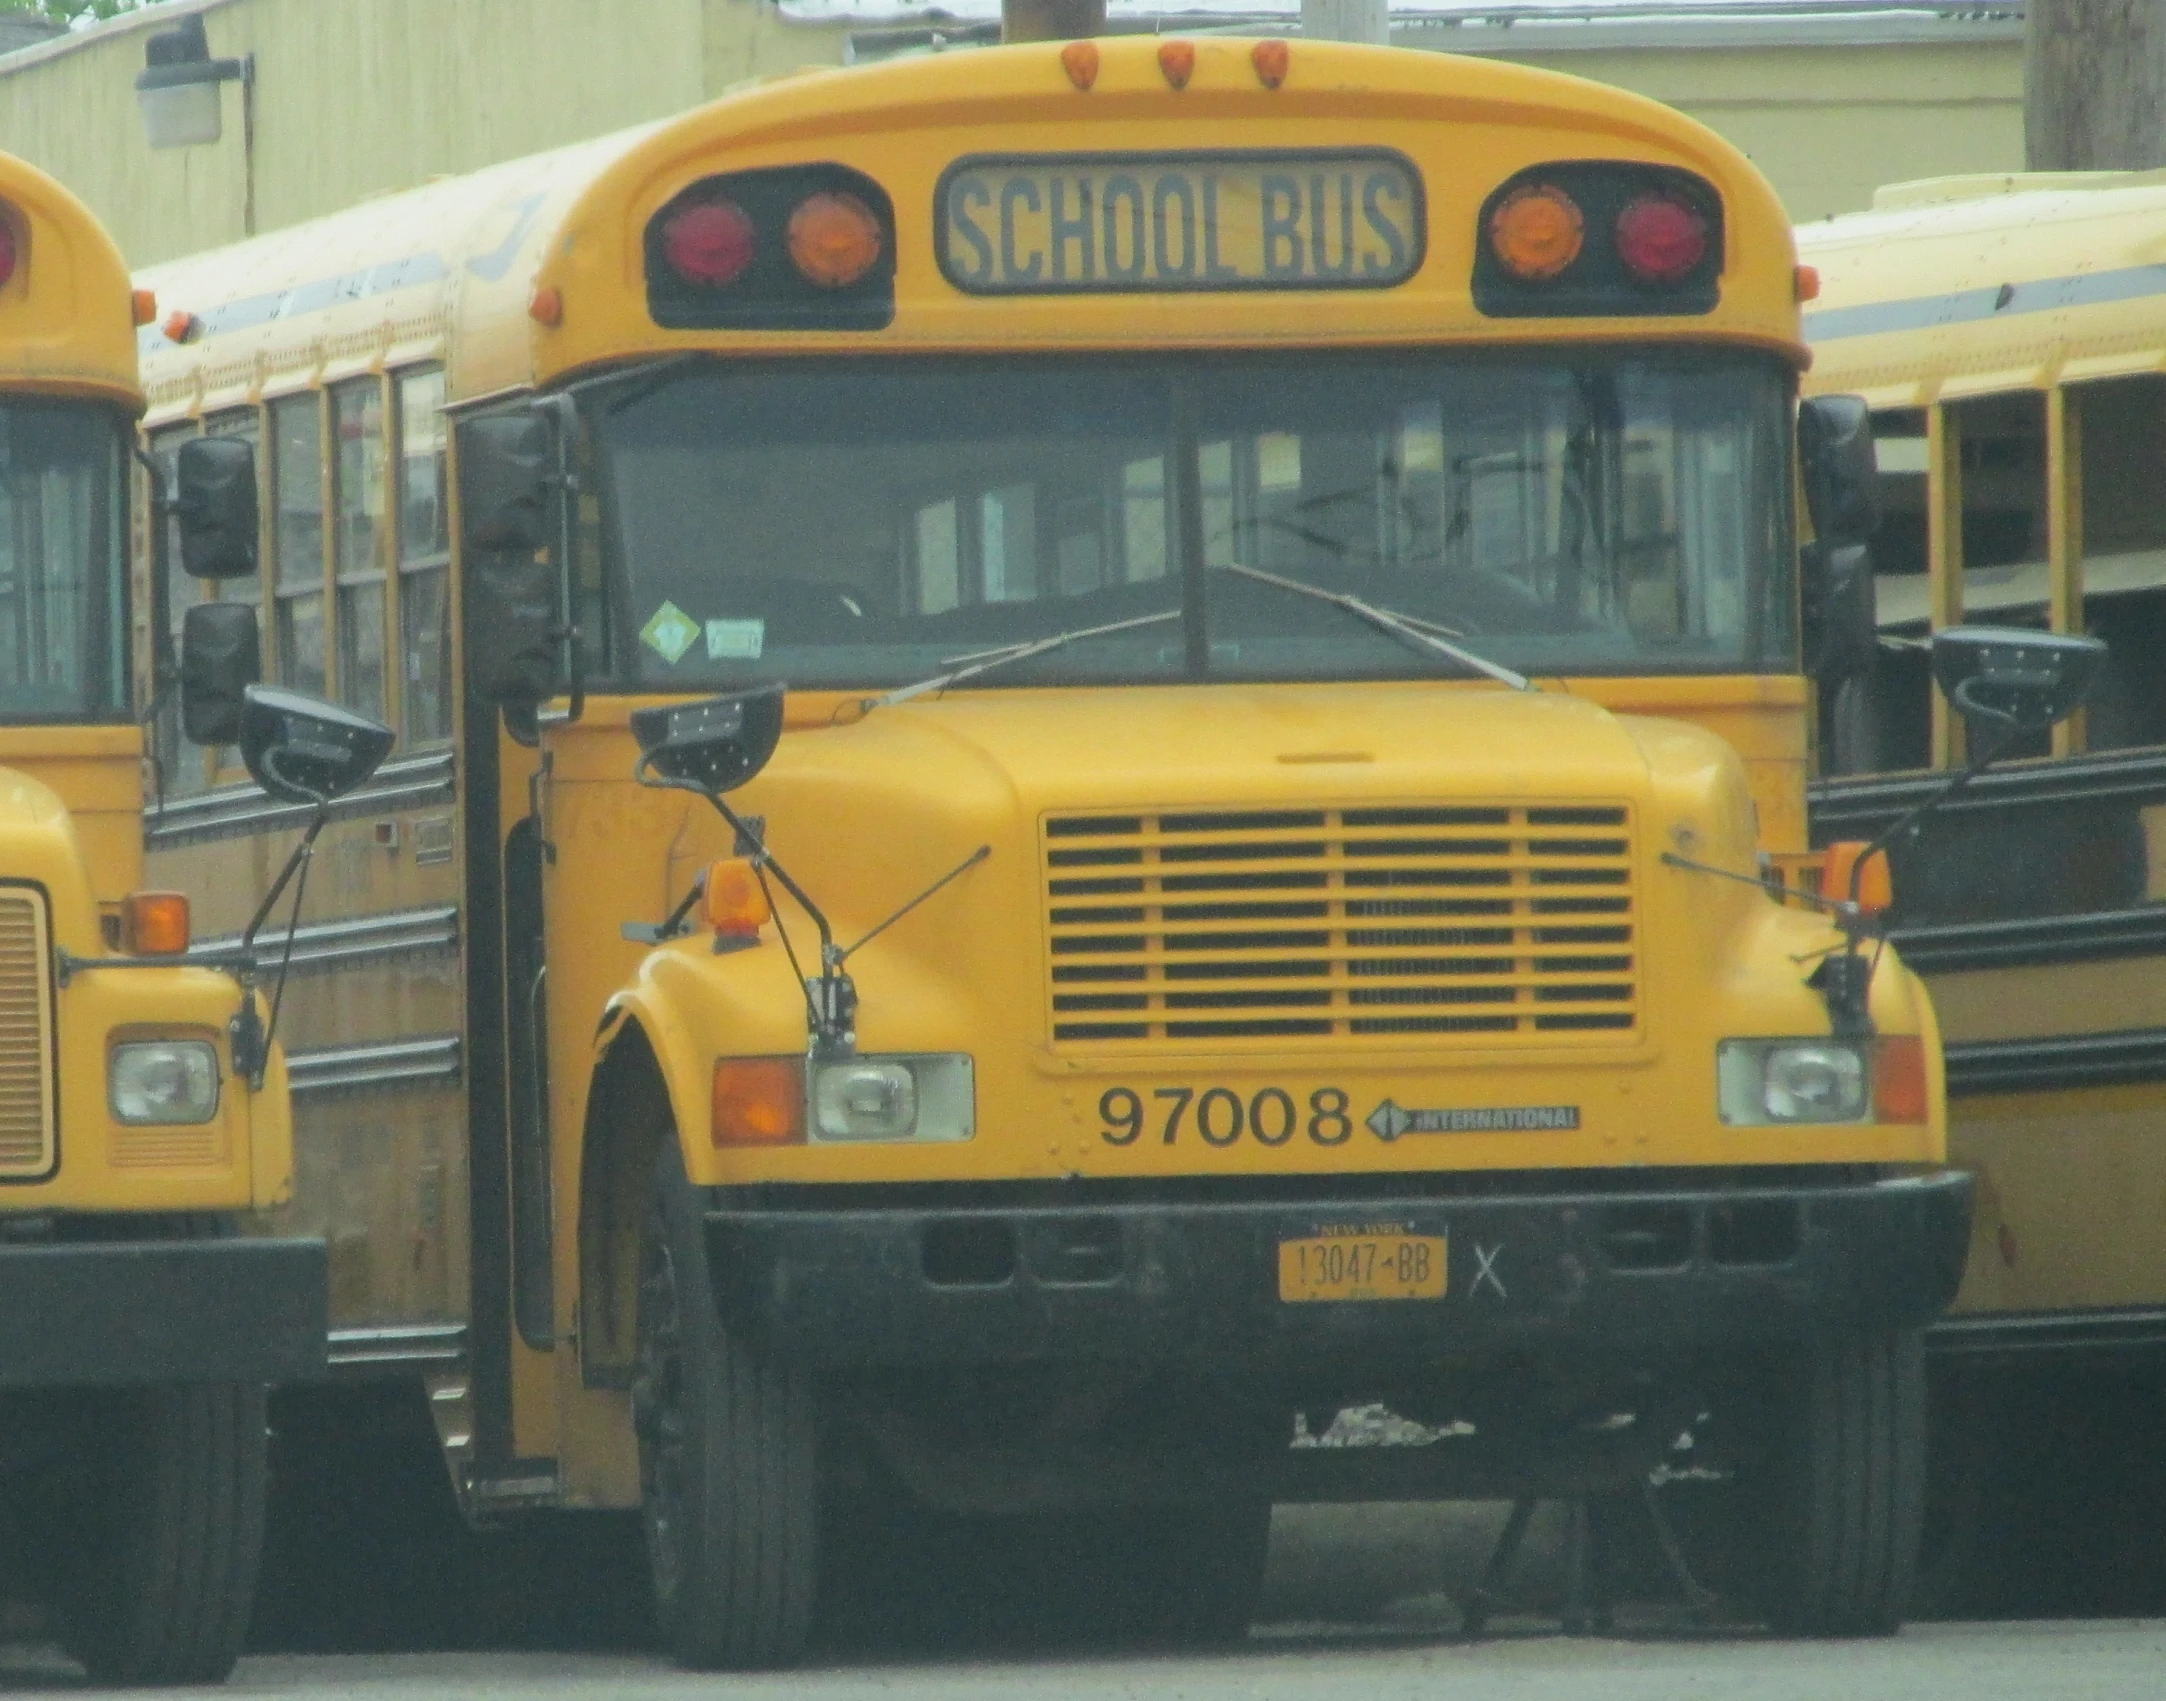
1362, 1266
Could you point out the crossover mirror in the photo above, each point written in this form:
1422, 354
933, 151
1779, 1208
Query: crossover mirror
2013, 678
1841, 472
215, 504
303, 750
711, 746
221, 657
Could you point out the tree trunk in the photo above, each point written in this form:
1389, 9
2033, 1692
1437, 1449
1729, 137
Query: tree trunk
2094, 85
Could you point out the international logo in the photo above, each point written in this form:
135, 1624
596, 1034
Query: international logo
1389, 1121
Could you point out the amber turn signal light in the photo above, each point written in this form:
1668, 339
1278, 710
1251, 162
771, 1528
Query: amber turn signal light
759, 1101
154, 924
1899, 1092
1537, 231
1875, 885
834, 239
143, 303
732, 900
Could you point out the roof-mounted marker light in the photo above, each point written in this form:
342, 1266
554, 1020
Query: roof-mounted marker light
546, 306
711, 244
1080, 60
1660, 239
1272, 60
182, 326
1177, 60
143, 305
1808, 283
1537, 231
834, 239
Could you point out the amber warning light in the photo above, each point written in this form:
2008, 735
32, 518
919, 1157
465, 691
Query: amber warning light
803, 247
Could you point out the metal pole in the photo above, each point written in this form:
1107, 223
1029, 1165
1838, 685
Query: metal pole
1347, 20
1051, 20
248, 144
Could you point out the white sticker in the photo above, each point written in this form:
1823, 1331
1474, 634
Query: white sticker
670, 633
736, 640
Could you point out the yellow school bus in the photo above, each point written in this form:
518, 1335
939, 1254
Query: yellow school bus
2008, 334
1252, 594
138, 1134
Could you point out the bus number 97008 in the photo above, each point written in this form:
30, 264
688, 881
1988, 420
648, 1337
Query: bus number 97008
1221, 1116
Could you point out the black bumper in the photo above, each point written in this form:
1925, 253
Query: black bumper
118, 1312
1196, 1283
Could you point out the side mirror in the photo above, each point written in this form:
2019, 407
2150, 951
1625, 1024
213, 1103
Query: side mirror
711, 746
1841, 473
1842, 614
504, 482
304, 750
2013, 678
221, 657
216, 506
511, 597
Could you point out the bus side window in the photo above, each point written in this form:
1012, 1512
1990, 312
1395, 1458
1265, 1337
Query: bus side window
297, 645
424, 551
246, 424
357, 475
2122, 422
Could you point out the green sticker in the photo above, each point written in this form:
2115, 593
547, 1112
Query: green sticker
670, 633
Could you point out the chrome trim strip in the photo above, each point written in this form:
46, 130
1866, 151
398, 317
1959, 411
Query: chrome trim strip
434, 1061
315, 944
1981, 1067
397, 1345
228, 811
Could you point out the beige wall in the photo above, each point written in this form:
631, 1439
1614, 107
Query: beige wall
357, 97
1830, 124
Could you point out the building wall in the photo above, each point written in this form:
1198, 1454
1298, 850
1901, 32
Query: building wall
358, 97
1831, 124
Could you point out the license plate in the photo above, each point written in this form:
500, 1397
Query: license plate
1362, 1267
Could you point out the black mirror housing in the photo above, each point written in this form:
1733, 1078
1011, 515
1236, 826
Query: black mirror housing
221, 657
711, 746
1842, 611
2012, 677
511, 628
1841, 472
216, 507
303, 750
505, 481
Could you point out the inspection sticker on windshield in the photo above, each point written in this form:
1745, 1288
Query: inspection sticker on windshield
670, 633
1389, 1121
736, 640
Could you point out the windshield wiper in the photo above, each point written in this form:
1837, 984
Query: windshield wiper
984, 661
1405, 627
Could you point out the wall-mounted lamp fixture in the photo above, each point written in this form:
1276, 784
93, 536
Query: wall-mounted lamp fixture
177, 90
178, 87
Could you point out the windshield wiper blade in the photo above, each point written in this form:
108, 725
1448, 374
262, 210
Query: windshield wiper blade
984, 661
1420, 633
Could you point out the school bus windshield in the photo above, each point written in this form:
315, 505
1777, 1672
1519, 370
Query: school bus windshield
63, 625
849, 525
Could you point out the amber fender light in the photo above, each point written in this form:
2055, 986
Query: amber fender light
733, 901
1899, 1079
759, 1101
154, 924
1875, 884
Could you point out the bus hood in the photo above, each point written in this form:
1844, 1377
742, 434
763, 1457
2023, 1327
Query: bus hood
38, 845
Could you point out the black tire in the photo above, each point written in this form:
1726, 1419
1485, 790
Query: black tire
1817, 1528
728, 1459
161, 1573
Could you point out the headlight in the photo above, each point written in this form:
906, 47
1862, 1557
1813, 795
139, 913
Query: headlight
170, 1081
894, 1098
1767, 1081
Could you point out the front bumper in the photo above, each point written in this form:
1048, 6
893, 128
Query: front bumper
115, 1312
1196, 1283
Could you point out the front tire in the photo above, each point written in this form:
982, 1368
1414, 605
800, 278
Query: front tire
162, 1570
728, 1458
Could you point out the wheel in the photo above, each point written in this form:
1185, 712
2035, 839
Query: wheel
728, 1461
1816, 1525
161, 1569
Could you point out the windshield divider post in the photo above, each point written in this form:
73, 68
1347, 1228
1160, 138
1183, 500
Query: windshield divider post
1185, 486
